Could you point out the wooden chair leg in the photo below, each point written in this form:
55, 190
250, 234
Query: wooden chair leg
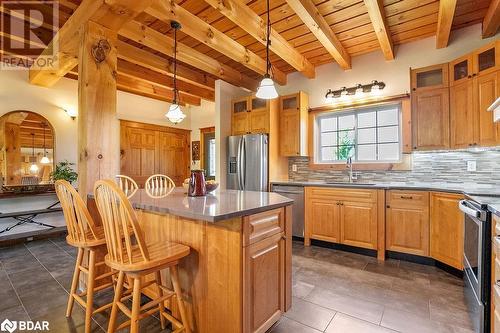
90, 292
178, 294
136, 305
74, 282
116, 299
161, 306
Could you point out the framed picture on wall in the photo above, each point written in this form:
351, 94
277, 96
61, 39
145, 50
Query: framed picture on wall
196, 150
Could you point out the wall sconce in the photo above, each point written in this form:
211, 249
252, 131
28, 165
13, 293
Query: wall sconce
358, 91
71, 112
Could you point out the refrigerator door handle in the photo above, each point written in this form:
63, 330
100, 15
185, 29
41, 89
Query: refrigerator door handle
238, 164
243, 164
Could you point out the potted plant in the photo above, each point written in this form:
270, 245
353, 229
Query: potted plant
64, 171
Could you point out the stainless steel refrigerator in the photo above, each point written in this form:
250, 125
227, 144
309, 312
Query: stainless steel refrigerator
247, 162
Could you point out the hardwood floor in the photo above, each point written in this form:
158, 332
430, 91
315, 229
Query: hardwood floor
333, 291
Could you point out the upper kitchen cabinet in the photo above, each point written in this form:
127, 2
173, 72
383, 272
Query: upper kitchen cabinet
486, 59
463, 119
429, 78
461, 69
294, 124
486, 91
250, 115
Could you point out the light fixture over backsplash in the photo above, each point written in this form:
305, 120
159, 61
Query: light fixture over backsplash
357, 92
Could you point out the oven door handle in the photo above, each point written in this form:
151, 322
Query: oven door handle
467, 210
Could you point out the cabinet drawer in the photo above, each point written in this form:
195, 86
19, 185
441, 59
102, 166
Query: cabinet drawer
342, 194
407, 199
259, 226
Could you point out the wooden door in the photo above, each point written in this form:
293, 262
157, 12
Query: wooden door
259, 121
322, 219
429, 78
263, 283
240, 123
446, 229
486, 59
290, 132
430, 119
461, 69
486, 89
173, 158
358, 224
139, 156
407, 222
463, 116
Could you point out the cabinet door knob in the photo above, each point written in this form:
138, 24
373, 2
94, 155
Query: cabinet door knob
388, 206
414, 89
469, 76
474, 74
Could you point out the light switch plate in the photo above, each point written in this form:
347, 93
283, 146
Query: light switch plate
471, 165
294, 167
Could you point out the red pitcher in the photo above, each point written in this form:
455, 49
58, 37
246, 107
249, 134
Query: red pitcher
197, 184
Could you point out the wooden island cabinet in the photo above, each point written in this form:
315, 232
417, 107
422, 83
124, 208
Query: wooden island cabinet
237, 277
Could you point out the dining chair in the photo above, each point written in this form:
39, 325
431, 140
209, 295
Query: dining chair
132, 257
127, 185
85, 235
159, 182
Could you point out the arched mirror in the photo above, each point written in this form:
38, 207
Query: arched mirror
27, 155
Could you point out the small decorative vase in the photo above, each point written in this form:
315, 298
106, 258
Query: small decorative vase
197, 184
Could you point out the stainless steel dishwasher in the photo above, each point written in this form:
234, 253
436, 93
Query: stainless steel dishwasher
296, 193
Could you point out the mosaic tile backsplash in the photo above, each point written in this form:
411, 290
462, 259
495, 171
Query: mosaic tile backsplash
437, 166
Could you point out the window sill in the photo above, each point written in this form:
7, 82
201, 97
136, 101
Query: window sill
404, 165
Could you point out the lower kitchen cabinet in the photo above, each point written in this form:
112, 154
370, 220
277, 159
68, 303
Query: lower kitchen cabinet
264, 283
407, 222
446, 229
346, 216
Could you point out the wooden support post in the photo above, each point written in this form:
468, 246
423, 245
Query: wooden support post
98, 126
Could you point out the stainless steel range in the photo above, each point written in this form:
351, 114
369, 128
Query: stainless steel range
477, 263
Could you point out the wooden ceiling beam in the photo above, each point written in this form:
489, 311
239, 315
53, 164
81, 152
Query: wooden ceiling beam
164, 66
445, 21
144, 74
491, 21
306, 10
377, 16
109, 14
244, 17
195, 27
157, 41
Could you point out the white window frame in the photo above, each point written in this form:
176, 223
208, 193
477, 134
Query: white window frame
356, 111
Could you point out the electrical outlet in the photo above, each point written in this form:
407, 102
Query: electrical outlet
294, 167
471, 165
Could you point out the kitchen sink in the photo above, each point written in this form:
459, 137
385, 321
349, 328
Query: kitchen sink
350, 184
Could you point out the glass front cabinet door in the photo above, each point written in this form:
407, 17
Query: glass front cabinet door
461, 70
431, 77
487, 59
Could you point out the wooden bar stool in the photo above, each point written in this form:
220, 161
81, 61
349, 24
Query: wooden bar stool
87, 237
159, 182
127, 185
133, 258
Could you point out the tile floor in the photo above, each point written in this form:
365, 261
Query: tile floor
333, 291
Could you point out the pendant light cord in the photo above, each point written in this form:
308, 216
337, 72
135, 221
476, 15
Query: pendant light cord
175, 65
44, 148
33, 142
268, 40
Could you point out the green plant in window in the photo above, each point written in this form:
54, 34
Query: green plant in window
346, 145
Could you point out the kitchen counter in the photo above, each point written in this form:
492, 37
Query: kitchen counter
217, 206
467, 189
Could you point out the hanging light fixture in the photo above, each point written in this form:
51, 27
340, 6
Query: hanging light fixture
266, 89
175, 114
33, 167
45, 159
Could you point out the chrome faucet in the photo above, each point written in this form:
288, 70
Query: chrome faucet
349, 167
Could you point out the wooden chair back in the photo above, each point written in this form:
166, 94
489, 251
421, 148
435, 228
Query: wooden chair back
127, 185
81, 226
121, 226
159, 182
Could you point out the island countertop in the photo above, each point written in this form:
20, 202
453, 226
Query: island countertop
217, 206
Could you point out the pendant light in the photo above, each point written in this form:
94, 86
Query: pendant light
33, 167
45, 159
175, 114
266, 89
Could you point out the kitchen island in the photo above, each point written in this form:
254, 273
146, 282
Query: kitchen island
237, 277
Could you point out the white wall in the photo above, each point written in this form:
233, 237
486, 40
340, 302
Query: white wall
224, 93
201, 116
373, 66
17, 94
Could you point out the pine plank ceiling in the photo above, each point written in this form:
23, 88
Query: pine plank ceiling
240, 58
